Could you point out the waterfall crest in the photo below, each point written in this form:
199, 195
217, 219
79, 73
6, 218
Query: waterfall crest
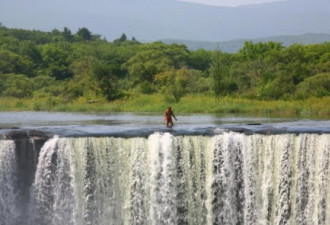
230, 178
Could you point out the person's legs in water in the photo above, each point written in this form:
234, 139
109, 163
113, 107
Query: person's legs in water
169, 123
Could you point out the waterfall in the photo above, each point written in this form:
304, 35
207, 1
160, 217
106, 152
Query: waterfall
9, 209
229, 178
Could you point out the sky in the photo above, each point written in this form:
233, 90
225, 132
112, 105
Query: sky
149, 20
230, 3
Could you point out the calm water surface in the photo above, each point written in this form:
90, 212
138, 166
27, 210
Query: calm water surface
81, 124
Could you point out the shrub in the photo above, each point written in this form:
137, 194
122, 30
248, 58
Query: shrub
317, 86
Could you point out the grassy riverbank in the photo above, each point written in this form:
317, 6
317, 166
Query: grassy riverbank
310, 108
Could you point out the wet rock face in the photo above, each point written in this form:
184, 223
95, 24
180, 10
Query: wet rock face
28, 134
28, 145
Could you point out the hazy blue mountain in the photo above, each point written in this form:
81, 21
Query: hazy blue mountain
235, 45
160, 19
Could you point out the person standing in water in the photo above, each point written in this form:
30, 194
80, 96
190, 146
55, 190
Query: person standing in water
168, 117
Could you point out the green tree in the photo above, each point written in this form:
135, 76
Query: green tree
200, 59
30, 50
252, 51
19, 86
173, 83
178, 54
56, 60
323, 64
146, 64
316, 86
83, 82
84, 34
219, 71
11, 62
122, 38
9, 43
134, 40
67, 34
105, 74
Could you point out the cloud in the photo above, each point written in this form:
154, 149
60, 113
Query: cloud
230, 3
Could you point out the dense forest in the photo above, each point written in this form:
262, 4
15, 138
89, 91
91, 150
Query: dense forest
61, 67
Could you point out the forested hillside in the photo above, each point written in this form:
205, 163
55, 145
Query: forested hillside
60, 67
233, 46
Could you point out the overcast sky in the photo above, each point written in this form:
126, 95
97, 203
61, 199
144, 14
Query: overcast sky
230, 3
149, 20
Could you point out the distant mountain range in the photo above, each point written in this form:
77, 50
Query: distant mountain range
161, 19
235, 45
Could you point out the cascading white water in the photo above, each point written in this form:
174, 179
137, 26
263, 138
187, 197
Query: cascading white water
9, 209
231, 178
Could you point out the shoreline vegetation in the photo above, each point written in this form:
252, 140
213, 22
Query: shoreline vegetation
83, 72
313, 108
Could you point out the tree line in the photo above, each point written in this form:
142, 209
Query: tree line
35, 64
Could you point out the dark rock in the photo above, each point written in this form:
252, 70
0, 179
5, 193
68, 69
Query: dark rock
16, 135
28, 134
39, 135
8, 128
28, 145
